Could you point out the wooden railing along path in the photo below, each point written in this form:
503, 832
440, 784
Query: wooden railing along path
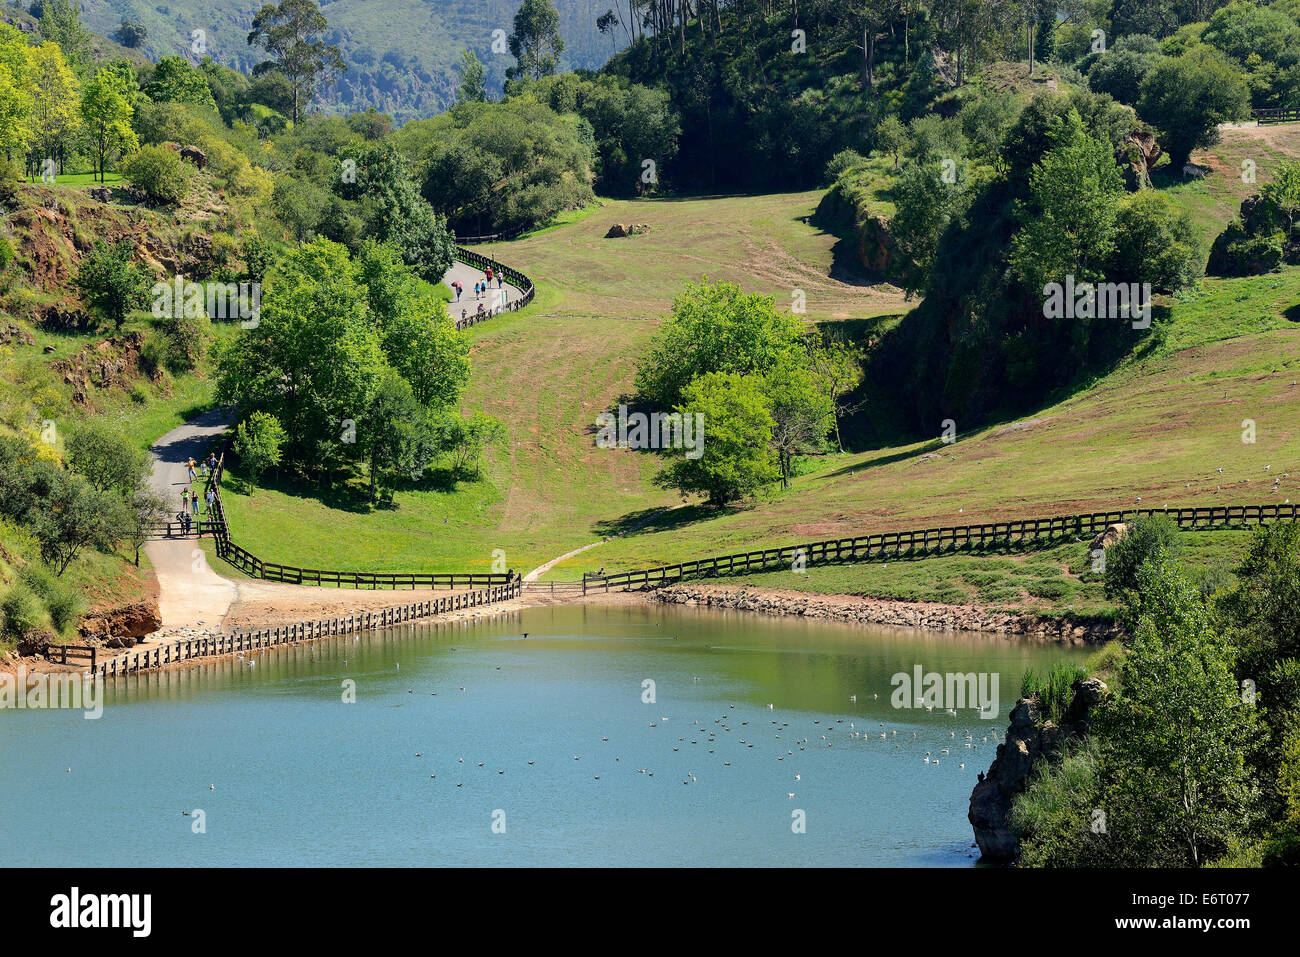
886, 545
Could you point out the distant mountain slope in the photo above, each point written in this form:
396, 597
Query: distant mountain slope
402, 55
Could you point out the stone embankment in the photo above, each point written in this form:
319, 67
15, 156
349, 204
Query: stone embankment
932, 616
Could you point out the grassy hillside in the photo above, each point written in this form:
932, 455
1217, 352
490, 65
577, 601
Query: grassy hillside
402, 55
1158, 427
548, 371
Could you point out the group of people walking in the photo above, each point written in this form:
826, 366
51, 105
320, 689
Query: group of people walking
483, 286
190, 501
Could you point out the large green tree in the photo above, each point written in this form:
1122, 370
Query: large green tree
1176, 787
291, 33
715, 327
535, 43
736, 456
1187, 97
314, 359
106, 113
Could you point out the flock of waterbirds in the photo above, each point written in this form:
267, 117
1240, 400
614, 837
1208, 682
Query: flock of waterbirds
776, 740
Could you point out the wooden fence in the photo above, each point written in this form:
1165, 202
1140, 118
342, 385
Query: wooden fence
888, 545
1290, 114
492, 237
250, 564
184, 649
59, 653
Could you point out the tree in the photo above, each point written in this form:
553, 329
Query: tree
1145, 539
715, 327
259, 441
131, 33
73, 517
1282, 193
891, 137
61, 24
291, 33
417, 335
1175, 781
466, 439
158, 172
1067, 226
314, 359
836, 364
175, 80
394, 436
473, 79
535, 43
106, 112
1263, 611
16, 103
925, 203
1187, 97
736, 456
55, 116
802, 415
1155, 242
300, 205
145, 510
109, 281
105, 457
397, 213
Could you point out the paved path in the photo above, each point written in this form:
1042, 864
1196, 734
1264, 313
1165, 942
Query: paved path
468, 304
189, 592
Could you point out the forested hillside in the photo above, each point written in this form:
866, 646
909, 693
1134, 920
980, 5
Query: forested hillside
401, 55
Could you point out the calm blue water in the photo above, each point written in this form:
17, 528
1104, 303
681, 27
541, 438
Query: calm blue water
298, 777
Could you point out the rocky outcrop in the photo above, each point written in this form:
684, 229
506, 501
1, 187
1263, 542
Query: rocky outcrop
932, 616
1030, 738
16, 335
620, 230
195, 156
1112, 534
136, 620
877, 249
109, 363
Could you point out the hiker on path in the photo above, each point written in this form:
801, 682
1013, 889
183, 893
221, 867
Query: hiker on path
185, 501
212, 462
481, 310
185, 521
211, 497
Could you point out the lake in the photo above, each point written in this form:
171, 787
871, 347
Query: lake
468, 744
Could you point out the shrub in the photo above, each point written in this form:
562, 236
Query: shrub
139, 394
22, 610
64, 603
159, 172
1145, 538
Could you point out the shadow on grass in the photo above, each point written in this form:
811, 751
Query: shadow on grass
647, 521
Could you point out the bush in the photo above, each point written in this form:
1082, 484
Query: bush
64, 604
842, 161
159, 172
139, 394
22, 610
1145, 538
